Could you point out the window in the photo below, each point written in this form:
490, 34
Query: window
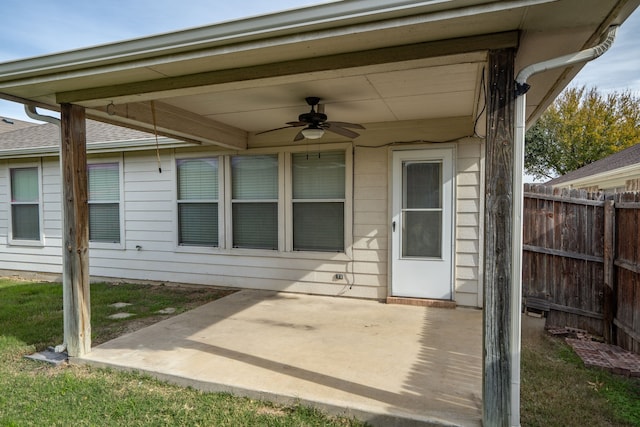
422, 208
265, 201
318, 201
255, 201
197, 202
25, 204
104, 202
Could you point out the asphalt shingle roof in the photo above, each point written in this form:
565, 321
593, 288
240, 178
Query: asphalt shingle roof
627, 157
8, 124
48, 135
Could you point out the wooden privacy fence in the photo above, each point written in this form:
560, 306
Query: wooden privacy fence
581, 261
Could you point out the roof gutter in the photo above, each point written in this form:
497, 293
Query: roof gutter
518, 169
295, 26
96, 148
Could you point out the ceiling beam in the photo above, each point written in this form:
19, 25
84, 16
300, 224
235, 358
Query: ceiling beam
171, 122
306, 65
174, 122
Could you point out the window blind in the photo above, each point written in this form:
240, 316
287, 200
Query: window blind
255, 225
318, 201
104, 202
25, 222
104, 182
318, 175
254, 182
318, 227
254, 177
24, 185
198, 224
198, 179
25, 206
104, 222
198, 201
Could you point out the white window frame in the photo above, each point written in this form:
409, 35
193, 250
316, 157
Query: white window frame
221, 204
121, 209
228, 202
23, 242
348, 201
285, 204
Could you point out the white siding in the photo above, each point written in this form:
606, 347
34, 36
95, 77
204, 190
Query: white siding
370, 219
468, 269
47, 258
4, 202
150, 223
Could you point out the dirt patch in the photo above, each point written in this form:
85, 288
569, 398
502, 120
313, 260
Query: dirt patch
179, 297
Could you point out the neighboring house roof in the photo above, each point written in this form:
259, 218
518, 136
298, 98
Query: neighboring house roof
8, 124
44, 139
596, 172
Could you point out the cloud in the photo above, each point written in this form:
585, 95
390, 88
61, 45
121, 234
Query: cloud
617, 69
30, 28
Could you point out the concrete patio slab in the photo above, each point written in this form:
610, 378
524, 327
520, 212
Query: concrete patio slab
386, 364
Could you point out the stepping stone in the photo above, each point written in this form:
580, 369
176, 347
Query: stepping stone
121, 315
120, 304
49, 356
168, 310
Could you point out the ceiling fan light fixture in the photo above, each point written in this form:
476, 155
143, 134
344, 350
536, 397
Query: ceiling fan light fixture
312, 132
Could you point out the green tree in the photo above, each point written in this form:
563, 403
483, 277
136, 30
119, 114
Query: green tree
580, 127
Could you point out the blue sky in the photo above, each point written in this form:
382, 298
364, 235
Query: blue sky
36, 27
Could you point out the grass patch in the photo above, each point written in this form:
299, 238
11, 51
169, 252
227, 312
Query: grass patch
558, 390
34, 393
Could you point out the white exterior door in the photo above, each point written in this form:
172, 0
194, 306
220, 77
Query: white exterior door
422, 224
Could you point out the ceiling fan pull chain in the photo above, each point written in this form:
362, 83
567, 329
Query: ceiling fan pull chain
155, 131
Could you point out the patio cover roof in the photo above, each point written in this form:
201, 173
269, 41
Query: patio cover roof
377, 63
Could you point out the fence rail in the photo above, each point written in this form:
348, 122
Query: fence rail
581, 261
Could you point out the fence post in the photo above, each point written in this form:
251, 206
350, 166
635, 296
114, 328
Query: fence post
609, 297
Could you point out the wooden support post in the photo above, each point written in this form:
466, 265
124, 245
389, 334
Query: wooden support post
498, 231
609, 297
75, 223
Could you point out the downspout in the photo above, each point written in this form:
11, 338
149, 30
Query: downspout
31, 112
518, 168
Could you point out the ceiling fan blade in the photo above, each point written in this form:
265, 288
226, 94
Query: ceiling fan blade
291, 125
346, 125
342, 131
271, 130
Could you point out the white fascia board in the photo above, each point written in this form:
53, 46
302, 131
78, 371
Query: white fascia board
338, 18
623, 173
98, 147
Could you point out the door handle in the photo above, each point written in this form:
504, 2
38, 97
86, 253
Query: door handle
393, 226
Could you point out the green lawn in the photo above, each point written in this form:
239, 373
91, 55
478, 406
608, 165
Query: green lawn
34, 393
558, 390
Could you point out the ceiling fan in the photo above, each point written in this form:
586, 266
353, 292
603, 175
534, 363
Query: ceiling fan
315, 122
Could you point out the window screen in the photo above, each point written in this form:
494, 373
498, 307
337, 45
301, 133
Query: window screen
104, 202
198, 202
318, 201
255, 201
25, 204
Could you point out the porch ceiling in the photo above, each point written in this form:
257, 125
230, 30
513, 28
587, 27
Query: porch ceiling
404, 61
